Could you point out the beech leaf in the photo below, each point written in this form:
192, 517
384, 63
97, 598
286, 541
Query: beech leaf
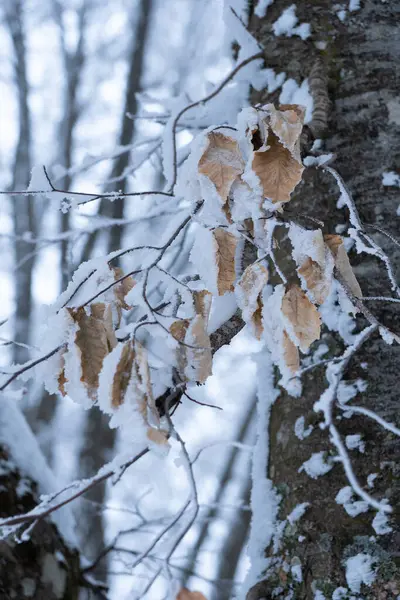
302, 316
194, 357
95, 338
221, 162
277, 169
198, 351
316, 280
248, 292
225, 259
290, 353
342, 263
122, 288
122, 375
287, 124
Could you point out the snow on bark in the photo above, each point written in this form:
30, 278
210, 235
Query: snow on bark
29, 459
264, 498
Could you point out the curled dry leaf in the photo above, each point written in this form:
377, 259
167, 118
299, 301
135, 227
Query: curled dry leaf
194, 357
95, 338
290, 353
186, 594
122, 375
225, 259
202, 303
287, 124
316, 281
62, 380
302, 316
122, 288
178, 331
221, 162
131, 383
342, 263
248, 291
198, 351
277, 169
314, 262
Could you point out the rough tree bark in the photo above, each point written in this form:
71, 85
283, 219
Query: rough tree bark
361, 61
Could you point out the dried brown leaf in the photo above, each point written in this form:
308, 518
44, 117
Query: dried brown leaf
287, 124
185, 594
316, 280
198, 351
342, 263
221, 162
225, 259
122, 288
178, 331
62, 380
302, 316
122, 375
279, 172
202, 303
142, 373
158, 436
95, 338
290, 353
248, 292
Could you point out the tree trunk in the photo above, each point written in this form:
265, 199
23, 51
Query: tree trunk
23, 213
99, 438
362, 64
43, 563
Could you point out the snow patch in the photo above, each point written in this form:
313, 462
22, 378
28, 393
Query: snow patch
316, 465
264, 498
292, 93
380, 523
390, 179
261, 8
287, 24
299, 430
298, 512
359, 570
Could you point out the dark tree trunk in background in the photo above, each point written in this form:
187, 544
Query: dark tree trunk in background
43, 567
23, 211
362, 61
99, 438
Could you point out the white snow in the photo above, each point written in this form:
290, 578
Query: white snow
359, 570
261, 8
390, 178
380, 523
222, 309
316, 465
287, 24
264, 498
354, 442
299, 430
317, 161
371, 478
336, 314
298, 512
340, 593
203, 257
296, 572
25, 452
352, 507
292, 93
354, 5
